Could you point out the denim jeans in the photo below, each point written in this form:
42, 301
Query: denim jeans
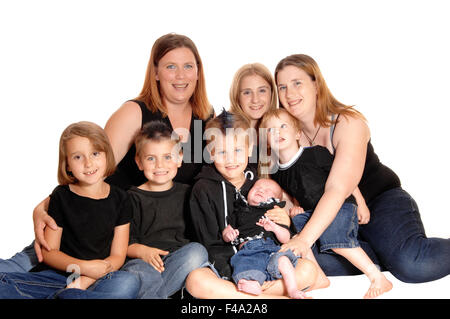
397, 242
258, 260
341, 233
49, 284
177, 266
20, 262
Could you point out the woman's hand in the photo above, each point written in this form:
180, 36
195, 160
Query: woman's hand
82, 282
278, 215
298, 246
295, 210
41, 220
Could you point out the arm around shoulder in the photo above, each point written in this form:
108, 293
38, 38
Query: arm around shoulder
122, 127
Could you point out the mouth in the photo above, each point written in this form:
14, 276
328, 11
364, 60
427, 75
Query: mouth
90, 173
232, 167
180, 86
256, 107
294, 102
160, 173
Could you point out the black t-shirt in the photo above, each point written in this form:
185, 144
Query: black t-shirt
160, 218
88, 224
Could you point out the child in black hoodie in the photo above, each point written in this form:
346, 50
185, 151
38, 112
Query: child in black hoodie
212, 200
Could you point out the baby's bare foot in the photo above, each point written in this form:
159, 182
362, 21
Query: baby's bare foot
297, 294
249, 286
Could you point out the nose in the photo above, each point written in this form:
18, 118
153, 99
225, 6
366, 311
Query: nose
255, 98
88, 161
180, 73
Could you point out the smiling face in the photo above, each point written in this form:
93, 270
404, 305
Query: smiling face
297, 92
84, 161
254, 96
177, 75
263, 190
159, 160
230, 154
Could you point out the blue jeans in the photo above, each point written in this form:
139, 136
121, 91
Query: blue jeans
177, 266
20, 262
258, 260
395, 239
49, 284
341, 233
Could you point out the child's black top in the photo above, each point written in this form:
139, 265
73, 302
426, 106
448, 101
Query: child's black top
245, 217
212, 200
305, 175
159, 218
88, 224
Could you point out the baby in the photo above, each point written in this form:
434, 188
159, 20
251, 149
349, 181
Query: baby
259, 239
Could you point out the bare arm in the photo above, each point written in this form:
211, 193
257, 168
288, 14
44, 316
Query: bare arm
151, 255
351, 138
41, 220
122, 128
283, 235
119, 246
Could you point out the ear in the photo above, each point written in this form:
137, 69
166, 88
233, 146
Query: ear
298, 135
137, 159
250, 149
156, 74
180, 159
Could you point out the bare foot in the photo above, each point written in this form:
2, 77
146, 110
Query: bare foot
249, 286
378, 286
297, 294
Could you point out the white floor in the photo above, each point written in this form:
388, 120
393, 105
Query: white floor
354, 287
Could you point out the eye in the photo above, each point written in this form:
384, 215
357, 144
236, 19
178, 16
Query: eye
188, 66
238, 150
150, 158
246, 92
271, 130
96, 154
167, 157
171, 67
281, 87
283, 125
263, 90
76, 157
298, 83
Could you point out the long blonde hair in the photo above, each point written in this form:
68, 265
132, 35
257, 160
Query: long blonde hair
326, 103
150, 93
251, 69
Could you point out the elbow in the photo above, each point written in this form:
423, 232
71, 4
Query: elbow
339, 191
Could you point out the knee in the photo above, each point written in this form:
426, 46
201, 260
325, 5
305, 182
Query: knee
129, 285
305, 273
197, 256
196, 284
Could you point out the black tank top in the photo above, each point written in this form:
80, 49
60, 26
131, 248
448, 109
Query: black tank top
128, 174
377, 178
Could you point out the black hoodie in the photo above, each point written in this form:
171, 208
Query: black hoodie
212, 200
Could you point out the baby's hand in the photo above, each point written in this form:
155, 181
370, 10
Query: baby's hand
229, 234
295, 210
266, 223
363, 214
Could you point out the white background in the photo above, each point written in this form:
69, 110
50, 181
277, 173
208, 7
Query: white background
66, 61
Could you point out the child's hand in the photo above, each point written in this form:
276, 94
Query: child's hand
267, 224
96, 268
229, 234
363, 214
153, 255
295, 210
82, 282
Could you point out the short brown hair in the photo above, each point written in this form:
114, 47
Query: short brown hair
150, 93
225, 123
99, 140
155, 131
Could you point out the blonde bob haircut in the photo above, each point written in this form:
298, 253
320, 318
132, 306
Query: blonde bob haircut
150, 93
99, 140
246, 70
326, 103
